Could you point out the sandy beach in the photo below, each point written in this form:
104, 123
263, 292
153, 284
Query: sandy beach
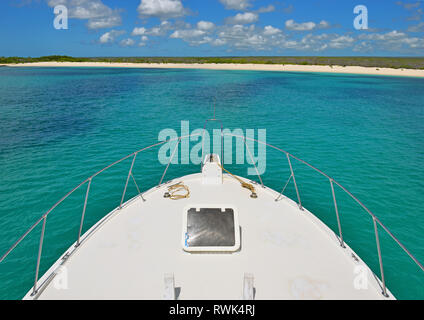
231, 66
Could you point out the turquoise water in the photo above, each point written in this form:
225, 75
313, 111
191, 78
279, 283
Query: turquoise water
58, 126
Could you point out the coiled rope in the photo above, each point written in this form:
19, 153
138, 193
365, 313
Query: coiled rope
243, 184
174, 191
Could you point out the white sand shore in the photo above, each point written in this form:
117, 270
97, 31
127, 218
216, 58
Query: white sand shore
231, 66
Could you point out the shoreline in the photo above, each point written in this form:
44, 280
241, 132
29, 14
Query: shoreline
235, 66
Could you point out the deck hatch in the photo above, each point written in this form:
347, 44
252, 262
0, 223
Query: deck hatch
211, 229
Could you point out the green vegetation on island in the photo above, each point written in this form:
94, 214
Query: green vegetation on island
379, 62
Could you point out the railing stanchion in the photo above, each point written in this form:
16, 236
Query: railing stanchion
294, 181
337, 214
222, 147
170, 160
380, 260
40, 249
83, 212
128, 178
253, 161
284, 188
138, 189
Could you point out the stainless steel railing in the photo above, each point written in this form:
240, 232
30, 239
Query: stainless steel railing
289, 156
374, 218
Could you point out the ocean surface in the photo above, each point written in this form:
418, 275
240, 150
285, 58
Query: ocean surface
60, 125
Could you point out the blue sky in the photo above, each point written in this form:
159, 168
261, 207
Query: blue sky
211, 28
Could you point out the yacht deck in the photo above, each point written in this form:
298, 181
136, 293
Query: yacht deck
129, 254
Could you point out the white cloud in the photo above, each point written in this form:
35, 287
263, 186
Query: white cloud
249, 37
219, 42
160, 30
139, 31
236, 4
408, 6
234, 35
127, 42
162, 9
414, 10
187, 34
240, 32
255, 40
341, 42
98, 14
205, 25
323, 25
105, 38
194, 37
252, 37
110, 36
389, 36
392, 41
143, 41
306, 26
106, 22
243, 18
363, 46
269, 8
203, 40
414, 43
270, 30
417, 28
243, 37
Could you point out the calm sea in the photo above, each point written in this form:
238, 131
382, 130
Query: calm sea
60, 125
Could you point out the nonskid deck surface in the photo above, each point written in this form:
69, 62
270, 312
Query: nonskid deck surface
289, 252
